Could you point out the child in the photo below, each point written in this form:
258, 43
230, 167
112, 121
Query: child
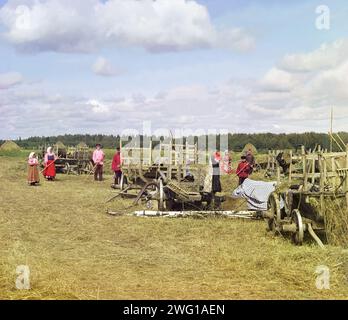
243, 170
33, 171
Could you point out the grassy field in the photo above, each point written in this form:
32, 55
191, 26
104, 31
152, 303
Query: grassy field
76, 251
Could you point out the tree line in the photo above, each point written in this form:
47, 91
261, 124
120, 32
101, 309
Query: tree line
236, 142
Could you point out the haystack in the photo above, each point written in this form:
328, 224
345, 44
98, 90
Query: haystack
251, 147
10, 146
82, 145
60, 145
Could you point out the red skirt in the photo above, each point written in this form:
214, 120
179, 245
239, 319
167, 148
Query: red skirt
50, 171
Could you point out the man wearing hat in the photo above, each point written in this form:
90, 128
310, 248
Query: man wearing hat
98, 159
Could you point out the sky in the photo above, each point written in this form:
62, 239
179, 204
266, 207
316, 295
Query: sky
93, 66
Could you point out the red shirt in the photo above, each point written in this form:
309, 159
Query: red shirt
243, 169
116, 162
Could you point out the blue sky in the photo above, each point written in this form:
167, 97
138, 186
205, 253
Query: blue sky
224, 72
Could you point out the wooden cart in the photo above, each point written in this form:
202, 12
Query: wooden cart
318, 177
71, 160
166, 178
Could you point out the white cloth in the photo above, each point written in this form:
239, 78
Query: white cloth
256, 193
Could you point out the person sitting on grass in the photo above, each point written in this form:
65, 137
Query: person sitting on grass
243, 170
33, 171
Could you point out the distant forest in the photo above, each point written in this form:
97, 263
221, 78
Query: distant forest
262, 141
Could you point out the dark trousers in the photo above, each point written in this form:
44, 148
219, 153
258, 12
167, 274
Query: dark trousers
98, 173
117, 176
241, 180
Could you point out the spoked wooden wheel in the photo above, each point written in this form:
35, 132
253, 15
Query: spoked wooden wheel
150, 194
274, 210
122, 182
67, 168
89, 168
296, 218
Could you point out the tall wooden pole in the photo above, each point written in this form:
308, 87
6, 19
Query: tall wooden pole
331, 128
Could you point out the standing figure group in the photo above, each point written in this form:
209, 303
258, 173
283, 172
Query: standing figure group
218, 164
49, 171
98, 160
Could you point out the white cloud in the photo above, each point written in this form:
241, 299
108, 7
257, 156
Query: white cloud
98, 107
281, 101
103, 67
305, 87
278, 80
326, 57
87, 25
10, 79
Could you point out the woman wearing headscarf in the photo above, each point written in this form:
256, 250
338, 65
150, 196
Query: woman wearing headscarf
33, 171
215, 163
50, 168
227, 163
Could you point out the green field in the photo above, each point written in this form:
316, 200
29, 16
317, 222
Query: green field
76, 251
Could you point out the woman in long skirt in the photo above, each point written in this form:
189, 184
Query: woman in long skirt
227, 163
50, 168
215, 162
33, 171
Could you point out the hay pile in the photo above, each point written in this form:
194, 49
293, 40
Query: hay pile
336, 222
251, 147
60, 145
9, 146
82, 145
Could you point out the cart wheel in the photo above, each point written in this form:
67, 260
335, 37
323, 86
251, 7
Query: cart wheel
122, 182
89, 168
149, 205
297, 219
67, 168
274, 208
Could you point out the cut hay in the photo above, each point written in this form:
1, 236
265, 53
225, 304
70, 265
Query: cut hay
9, 146
251, 147
60, 145
336, 222
82, 145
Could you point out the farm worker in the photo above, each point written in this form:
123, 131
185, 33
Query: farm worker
98, 159
50, 168
33, 171
215, 163
116, 166
243, 170
250, 159
227, 163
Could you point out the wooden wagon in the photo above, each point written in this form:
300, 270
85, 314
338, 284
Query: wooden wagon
166, 178
71, 160
318, 178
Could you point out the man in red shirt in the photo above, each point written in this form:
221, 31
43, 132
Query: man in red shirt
243, 170
116, 166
